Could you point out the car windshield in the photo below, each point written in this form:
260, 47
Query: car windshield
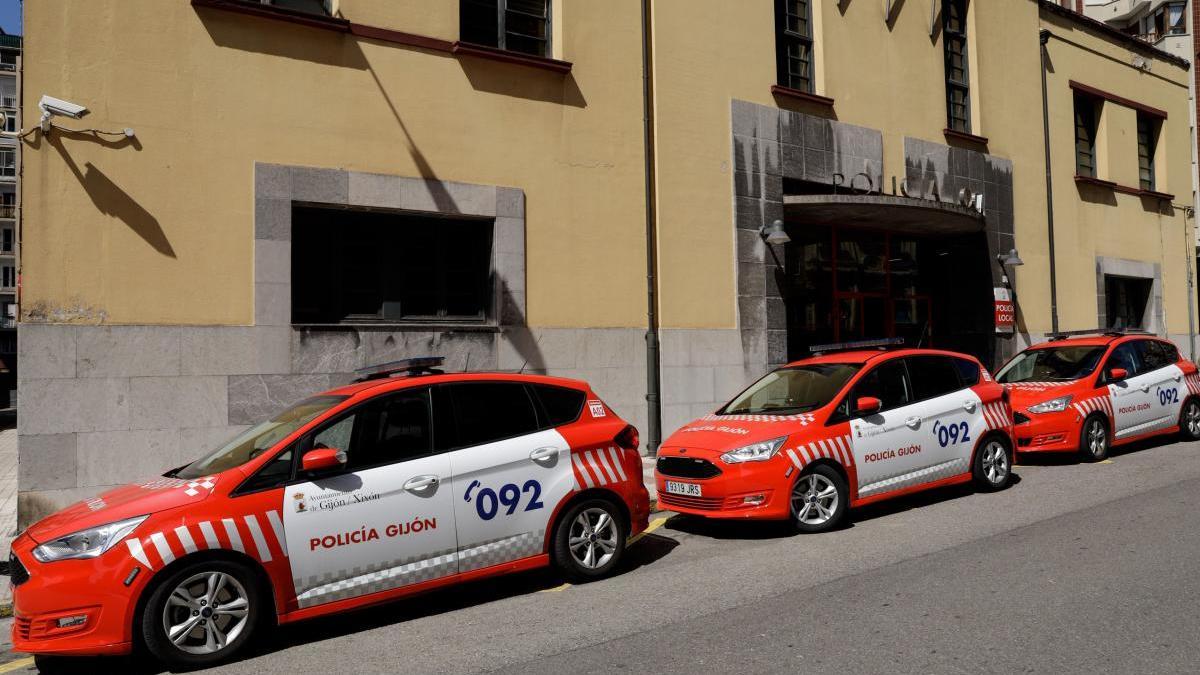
258, 439
792, 390
1053, 364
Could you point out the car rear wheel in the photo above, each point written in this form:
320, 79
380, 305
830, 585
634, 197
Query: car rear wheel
993, 465
1093, 439
589, 540
1189, 420
203, 613
819, 499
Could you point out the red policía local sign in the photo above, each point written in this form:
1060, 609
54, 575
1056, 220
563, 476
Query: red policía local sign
1006, 310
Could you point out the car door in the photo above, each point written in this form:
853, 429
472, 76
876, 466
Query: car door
1130, 396
386, 518
1163, 382
509, 472
886, 443
951, 415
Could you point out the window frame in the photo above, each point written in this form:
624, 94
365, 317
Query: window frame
842, 412
1149, 127
785, 38
954, 86
502, 32
1086, 130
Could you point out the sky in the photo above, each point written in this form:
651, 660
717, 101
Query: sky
10, 16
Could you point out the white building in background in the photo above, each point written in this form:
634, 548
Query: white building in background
10, 156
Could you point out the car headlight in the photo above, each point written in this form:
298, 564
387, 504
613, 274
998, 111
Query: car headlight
755, 452
89, 543
1053, 405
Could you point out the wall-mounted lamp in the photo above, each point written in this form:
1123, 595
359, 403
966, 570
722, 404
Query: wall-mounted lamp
1010, 259
774, 233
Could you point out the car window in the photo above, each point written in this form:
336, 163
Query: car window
887, 382
968, 371
791, 390
932, 376
561, 405
1052, 364
275, 473
1151, 354
1124, 356
337, 435
491, 411
1170, 352
396, 428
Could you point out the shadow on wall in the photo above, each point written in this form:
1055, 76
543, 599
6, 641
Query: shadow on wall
108, 197
303, 43
507, 79
1096, 194
517, 332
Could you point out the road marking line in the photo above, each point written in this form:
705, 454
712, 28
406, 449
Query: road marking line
1105, 461
556, 589
16, 665
654, 525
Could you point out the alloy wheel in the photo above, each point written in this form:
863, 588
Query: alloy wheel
814, 500
1191, 418
206, 612
1097, 438
593, 538
995, 463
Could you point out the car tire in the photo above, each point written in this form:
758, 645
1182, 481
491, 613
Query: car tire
1094, 439
589, 540
813, 507
226, 590
992, 466
1189, 420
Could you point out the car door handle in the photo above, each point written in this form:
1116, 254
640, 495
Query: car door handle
913, 422
1178, 378
1145, 388
969, 406
421, 483
546, 455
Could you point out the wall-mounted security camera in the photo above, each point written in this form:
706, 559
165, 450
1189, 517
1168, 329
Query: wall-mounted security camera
57, 106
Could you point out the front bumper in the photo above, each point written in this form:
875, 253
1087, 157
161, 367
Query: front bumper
751, 490
1048, 432
75, 607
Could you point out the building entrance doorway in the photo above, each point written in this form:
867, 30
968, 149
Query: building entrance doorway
842, 283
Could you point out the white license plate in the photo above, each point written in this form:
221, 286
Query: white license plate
685, 489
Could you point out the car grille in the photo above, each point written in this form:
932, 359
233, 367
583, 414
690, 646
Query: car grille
21, 627
697, 503
1018, 418
16, 571
687, 467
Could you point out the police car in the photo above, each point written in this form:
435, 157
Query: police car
1087, 391
407, 480
849, 426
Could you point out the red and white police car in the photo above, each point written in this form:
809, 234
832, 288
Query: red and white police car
1090, 390
841, 429
407, 480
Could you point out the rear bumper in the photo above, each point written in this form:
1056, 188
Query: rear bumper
754, 490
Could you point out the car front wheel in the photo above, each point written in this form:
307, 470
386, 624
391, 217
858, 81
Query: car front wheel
819, 500
1093, 439
201, 614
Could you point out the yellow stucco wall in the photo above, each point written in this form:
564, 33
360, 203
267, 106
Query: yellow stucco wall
163, 232
1092, 222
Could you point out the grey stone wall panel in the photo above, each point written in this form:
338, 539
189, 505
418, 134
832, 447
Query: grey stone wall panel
273, 219
255, 398
45, 351
115, 457
272, 304
127, 351
320, 185
374, 189
235, 350
175, 402
272, 261
63, 406
47, 462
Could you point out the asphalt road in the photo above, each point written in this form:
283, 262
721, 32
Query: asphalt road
1076, 568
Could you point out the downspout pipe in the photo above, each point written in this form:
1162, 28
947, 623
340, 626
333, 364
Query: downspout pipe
653, 377
1044, 37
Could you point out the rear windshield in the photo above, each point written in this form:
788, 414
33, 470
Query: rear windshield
1052, 364
258, 439
793, 390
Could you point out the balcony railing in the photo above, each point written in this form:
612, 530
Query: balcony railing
8, 210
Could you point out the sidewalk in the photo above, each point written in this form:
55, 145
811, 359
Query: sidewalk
648, 479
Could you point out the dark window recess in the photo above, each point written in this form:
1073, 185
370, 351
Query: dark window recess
515, 25
968, 372
1126, 299
1086, 109
357, 266
310, 6
932, 376
561, 405
794, 44
887, 382
275, 473
958, 86
492, 411
1147, 139
687, 467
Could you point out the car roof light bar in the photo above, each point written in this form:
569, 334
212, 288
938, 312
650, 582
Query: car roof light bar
422, 365
1111, 332
857, 344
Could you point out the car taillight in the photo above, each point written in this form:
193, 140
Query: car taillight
628, 438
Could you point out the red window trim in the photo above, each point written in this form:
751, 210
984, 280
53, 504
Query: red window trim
277, 13
506, 56
1120, 100
788, 92
964, 136
1124, 189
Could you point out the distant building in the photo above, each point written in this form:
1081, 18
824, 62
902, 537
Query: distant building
10, 87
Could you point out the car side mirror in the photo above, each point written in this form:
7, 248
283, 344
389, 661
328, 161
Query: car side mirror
1116, 374
323, 459
866, 405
